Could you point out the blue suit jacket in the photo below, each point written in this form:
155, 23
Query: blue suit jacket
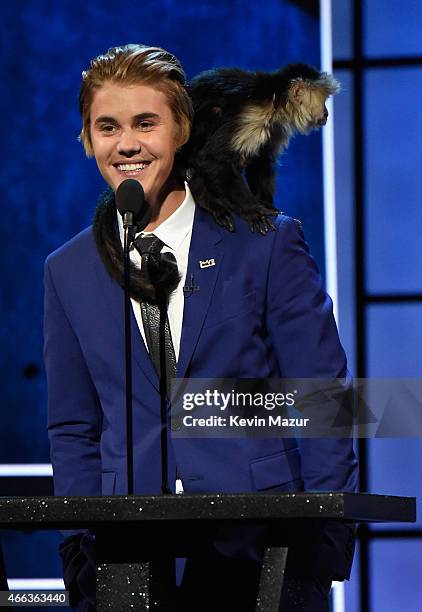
260, 312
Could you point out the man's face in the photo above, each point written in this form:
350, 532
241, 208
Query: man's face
134, 135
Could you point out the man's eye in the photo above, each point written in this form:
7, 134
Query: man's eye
108, 128
145, 125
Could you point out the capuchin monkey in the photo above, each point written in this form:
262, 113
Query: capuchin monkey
243, 121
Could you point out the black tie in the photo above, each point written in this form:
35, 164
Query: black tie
149, 248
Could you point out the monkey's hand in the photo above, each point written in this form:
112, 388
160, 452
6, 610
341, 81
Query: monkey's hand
261, 222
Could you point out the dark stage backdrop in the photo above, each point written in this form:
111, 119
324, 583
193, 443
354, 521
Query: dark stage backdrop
49, 188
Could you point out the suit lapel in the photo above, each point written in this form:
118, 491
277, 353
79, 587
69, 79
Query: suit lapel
206, 246
114, 297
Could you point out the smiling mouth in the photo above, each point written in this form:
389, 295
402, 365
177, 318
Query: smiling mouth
132, 167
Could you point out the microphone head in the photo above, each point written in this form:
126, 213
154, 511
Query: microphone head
130, 198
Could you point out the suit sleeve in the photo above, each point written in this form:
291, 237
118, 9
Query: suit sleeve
304, 334
74, 414
74, 428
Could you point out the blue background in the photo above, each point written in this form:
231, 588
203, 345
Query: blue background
49, 189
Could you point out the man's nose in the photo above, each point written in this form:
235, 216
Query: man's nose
129, 143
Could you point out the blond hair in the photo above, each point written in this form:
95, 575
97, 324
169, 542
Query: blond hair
135, 64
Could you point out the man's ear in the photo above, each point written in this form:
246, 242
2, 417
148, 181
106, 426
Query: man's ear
297, 93
181, 138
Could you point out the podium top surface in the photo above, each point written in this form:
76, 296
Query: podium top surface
86, 512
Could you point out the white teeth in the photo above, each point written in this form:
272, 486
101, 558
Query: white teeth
124, 167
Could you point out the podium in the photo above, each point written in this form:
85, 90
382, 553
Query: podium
130, 577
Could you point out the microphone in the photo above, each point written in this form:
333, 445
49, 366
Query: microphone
131, 204
136, 213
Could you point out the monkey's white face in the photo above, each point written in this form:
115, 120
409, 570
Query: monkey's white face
308, 104
314, 103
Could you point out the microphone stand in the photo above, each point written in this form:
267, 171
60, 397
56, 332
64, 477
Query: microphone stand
162, 307
129, 236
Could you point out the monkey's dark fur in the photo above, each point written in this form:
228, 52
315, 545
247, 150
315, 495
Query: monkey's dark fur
243, 121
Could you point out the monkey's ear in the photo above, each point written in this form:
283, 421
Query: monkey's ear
297, 91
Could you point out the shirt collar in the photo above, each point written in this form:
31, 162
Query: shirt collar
175, 228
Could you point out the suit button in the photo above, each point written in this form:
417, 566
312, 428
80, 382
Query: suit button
176, 424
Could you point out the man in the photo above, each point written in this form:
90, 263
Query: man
260, 312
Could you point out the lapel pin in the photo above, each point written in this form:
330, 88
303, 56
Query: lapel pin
191, 288
206, 263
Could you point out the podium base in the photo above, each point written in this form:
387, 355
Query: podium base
150, 586
143, 587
